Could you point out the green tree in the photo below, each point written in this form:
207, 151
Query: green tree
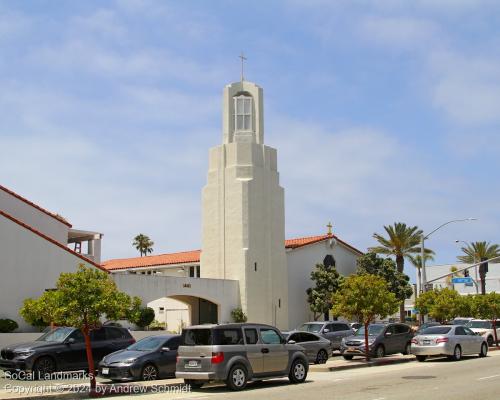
41, 312
426, 301
398, 282
444, 306
80, 300
327, 282
144, 244
143, 317
364, 297
402, 241
488, 307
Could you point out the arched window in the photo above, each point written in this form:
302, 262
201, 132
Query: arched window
243, 113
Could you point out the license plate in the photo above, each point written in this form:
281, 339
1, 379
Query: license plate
192, 363
105, 371
427, 342
351, 349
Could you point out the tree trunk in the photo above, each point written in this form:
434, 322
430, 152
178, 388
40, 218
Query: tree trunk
402, 313
495, 332
367, 349
400, 263
90, 360
483, 283
326, 316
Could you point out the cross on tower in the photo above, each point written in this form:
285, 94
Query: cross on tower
329, 226
243, 59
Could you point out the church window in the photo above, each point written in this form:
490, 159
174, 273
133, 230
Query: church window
243, 113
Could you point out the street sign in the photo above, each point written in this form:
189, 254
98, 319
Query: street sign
462, 280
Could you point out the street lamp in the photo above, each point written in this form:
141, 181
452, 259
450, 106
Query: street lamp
422, 248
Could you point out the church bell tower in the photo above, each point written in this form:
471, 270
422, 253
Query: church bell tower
243, 216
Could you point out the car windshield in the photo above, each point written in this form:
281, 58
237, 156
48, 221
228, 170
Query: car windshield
56, 335
373, 330
435, 330
147, 344
480, 324
310, 327
460, 321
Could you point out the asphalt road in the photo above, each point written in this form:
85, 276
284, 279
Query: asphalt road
471, 378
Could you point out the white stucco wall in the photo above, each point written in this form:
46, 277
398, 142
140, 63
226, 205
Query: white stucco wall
33, 217
492, 277
301, 263
29, 265
175, 313
224, 293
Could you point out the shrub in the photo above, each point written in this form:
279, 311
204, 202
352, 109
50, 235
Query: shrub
8, 325
238, 315
157, 326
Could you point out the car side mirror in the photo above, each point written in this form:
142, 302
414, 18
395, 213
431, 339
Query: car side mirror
326, 330
292, 342
165, 349
71, 341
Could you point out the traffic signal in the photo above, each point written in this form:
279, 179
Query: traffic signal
466, 273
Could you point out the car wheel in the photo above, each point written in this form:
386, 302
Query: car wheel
322, 357
237, 377
490, 341
457, 354
407, 349
348, 357
44, 367
193, 383
149, 373
484, 350
421, 358
380, 352
298, 371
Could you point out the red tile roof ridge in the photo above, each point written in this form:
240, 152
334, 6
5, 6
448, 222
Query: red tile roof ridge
50, 214
49, 239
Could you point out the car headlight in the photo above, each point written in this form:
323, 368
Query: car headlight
24, 354
129, 361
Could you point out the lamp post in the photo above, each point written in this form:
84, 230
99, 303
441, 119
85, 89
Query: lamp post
422, 248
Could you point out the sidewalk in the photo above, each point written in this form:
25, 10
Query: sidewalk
337, 363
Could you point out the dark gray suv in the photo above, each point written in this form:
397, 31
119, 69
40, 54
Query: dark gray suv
236, 354
382, 339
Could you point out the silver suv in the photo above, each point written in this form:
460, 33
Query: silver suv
236, 354
334, 331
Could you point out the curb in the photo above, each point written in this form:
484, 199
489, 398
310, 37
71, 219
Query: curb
364, 364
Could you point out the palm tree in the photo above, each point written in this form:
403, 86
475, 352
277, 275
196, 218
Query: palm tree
143, 243
402, 242
479, 251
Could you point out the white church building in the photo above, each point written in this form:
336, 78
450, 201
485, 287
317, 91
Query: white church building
243, 235
245, 261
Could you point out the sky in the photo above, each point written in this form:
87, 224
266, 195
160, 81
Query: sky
381, 111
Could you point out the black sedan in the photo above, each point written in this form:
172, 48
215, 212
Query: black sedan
150, 358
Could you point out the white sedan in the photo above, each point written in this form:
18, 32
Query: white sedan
448, 340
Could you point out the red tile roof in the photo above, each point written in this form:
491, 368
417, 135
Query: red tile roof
50, 214
54, 242
150, 261
194, 256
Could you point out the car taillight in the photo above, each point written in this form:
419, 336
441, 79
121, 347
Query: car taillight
414, 341
177, 359
217, 358
441, 340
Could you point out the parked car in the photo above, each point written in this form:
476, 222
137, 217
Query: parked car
63, 349
318, 349
236, 354
425, 326
148, 359
461, 321
448, 340
334, 331
484, 328
382, 339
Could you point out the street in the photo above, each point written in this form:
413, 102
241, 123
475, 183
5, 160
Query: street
471, 378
